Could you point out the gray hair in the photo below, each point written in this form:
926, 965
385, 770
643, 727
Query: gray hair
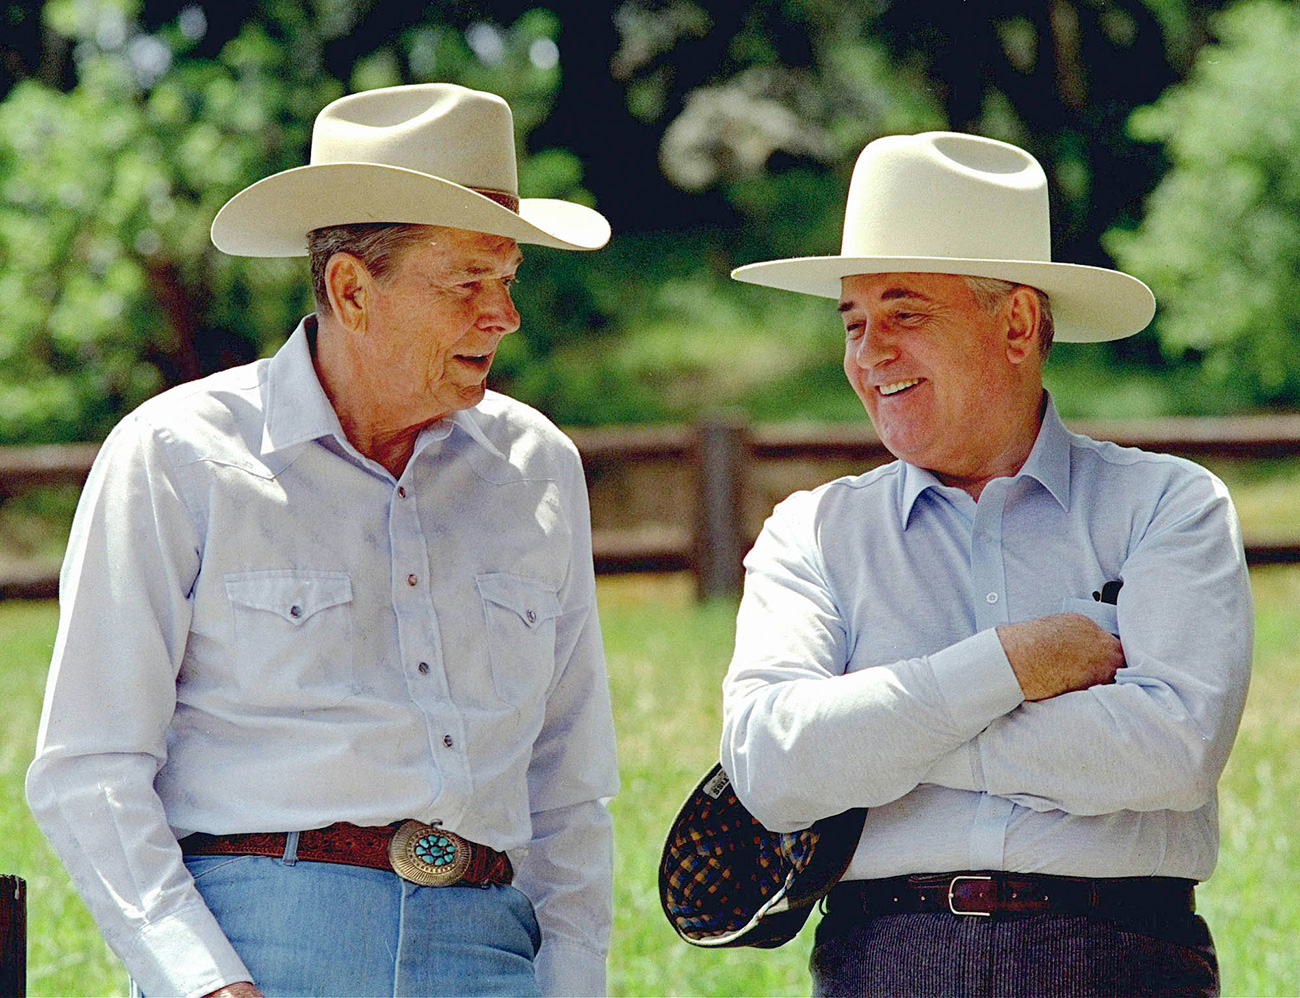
379, 245
990, 292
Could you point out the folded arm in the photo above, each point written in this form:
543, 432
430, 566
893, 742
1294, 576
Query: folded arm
1159, 736
801, 738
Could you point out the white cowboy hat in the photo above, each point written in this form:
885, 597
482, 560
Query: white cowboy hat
433, 153
948, 203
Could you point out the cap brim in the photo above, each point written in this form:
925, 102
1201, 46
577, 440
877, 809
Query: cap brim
1089, 304
273, 216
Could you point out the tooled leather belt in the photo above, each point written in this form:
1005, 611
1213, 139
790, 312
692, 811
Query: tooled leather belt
1014, 894
423, 854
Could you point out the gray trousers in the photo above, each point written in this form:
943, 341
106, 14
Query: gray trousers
955, 955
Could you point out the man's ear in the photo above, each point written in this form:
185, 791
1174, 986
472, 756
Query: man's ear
1024, 312
350, 287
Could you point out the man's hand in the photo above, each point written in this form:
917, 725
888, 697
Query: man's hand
1060, 653
240, 989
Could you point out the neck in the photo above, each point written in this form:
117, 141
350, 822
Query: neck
380, 415
1010, 452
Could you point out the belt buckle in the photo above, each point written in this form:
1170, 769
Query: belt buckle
952, 886
428, 855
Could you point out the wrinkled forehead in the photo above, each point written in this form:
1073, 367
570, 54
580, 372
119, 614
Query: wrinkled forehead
469, 252
860, 290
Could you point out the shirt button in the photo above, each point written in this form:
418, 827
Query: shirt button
411, 579
446, 740
992, 597
401, 492
532, 617
295, 612
424, 668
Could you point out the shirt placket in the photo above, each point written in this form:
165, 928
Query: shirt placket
989, 597
420, 646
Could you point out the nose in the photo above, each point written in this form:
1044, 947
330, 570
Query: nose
497, 312
875, 346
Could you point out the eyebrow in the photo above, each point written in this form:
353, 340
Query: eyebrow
478, 269
889, 294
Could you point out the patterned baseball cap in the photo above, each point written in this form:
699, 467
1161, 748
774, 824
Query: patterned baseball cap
725, 880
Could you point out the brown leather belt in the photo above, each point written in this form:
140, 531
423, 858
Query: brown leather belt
1012, 894
422, 854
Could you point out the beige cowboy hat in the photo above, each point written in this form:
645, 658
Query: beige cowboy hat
432, 153
949, 203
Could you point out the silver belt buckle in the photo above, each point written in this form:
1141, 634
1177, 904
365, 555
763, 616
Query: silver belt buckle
952, 885
428, 855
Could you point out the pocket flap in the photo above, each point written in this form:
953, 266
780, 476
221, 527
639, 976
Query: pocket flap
293, 596
532, 601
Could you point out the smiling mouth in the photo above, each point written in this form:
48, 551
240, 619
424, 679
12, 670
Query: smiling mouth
897, 386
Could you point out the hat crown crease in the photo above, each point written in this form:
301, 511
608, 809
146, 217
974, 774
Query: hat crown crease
443, 131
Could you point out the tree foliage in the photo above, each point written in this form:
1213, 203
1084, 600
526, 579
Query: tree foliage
710, 134
1220, 240
110, 186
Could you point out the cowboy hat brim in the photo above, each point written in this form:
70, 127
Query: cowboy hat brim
273, 216
1089, 304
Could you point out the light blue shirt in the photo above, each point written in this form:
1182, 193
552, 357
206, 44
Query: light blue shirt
867, 669
263, 630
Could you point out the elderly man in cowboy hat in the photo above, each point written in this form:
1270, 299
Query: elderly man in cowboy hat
327, 712
1025, 652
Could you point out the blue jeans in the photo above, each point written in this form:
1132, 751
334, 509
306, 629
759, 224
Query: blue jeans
305, 928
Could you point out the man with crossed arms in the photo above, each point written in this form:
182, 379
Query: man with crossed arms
1024, 651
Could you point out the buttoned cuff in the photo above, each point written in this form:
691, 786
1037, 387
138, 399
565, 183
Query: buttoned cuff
976, 681
185, 953
565, 969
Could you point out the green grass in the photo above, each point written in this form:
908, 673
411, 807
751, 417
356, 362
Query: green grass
65, 954
1253, 900
666, 657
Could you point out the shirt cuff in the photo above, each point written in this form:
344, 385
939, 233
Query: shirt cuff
976, 681
564, 969
185, 953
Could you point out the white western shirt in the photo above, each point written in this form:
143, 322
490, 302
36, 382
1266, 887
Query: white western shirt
263, 630
867, 669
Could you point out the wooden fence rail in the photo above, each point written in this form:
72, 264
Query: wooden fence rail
712, 518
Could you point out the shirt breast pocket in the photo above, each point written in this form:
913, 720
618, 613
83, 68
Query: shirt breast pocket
520, 617
293, 636
1104, 615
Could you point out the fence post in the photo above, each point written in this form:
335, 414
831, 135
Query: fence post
723, 441
13, 935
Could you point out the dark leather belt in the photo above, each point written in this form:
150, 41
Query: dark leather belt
422, 854
1012, 894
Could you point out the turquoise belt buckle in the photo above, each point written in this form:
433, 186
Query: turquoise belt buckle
428, 855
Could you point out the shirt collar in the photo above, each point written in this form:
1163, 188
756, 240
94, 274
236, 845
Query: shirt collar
298, 410
465, 419
1048, 464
